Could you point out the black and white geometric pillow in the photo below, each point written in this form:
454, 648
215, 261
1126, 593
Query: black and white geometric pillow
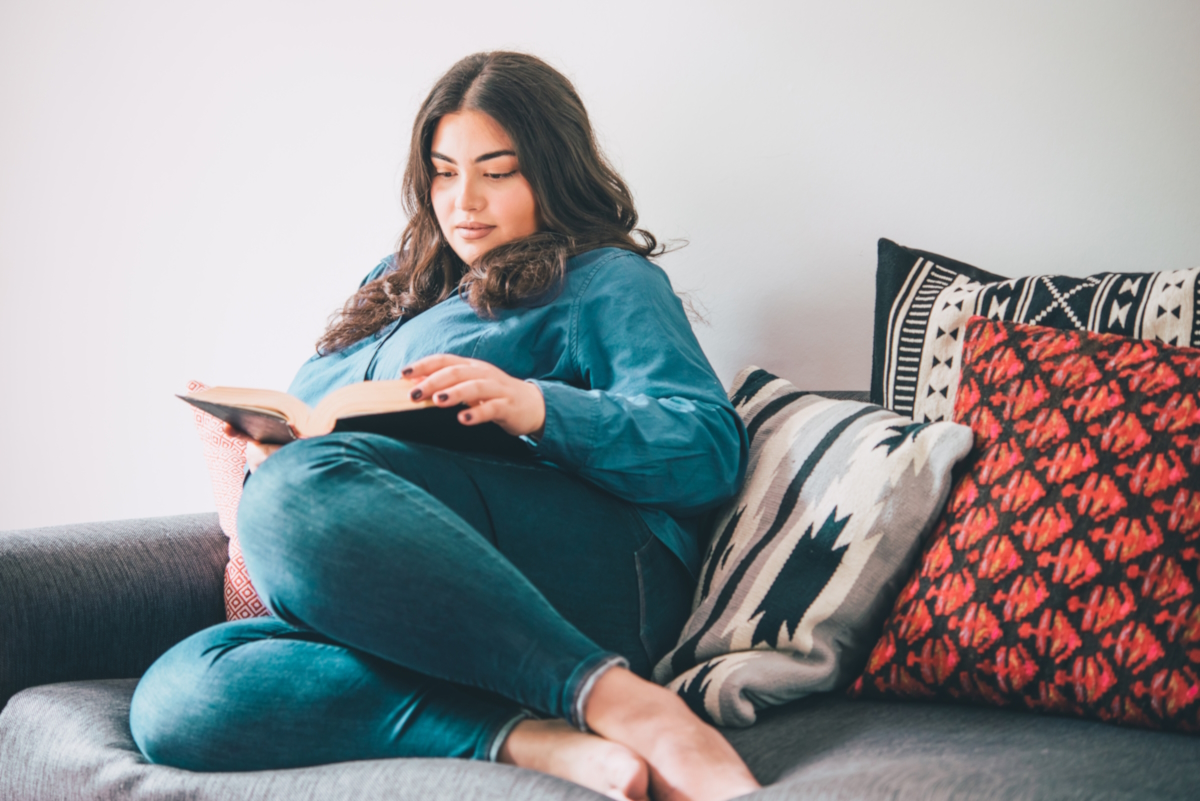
922, 302
807, 560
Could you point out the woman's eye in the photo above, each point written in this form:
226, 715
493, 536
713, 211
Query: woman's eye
501, 174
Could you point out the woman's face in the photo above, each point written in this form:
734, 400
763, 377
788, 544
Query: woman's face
479, 195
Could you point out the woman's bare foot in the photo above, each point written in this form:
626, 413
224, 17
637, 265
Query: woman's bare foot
554, 747
689, 760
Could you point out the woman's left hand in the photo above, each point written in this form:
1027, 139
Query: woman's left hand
491, 394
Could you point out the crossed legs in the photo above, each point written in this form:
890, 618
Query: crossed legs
427, 603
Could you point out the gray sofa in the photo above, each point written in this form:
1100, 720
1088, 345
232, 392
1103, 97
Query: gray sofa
85, 609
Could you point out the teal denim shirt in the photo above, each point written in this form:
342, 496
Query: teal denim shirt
632, 404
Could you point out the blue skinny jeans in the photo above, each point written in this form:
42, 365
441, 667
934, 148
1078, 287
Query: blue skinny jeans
424, 602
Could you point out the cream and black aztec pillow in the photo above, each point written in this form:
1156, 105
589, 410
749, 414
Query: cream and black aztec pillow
806, 561
923, 302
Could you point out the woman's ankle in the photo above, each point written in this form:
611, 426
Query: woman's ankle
619, 699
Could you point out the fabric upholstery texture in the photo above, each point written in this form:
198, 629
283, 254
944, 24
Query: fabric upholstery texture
104, 600
1064, 576
225, 458
806, 560
71, 741
923, 300
827, 747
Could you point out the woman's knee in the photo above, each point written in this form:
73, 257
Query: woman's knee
289, 484
292, 497
311, 511
186, 701
299, 485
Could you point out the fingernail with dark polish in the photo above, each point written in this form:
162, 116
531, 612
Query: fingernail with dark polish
406, 371
467, 417
443, 397
415, 394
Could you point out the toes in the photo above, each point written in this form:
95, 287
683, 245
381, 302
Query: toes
629, 777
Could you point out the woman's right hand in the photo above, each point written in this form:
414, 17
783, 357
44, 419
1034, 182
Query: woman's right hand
256, 452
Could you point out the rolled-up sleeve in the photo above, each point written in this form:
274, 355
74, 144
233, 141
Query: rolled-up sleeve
644, 416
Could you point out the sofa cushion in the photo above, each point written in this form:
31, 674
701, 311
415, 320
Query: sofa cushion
806, 560
1062, 577
828, 747
922, 301
71, 741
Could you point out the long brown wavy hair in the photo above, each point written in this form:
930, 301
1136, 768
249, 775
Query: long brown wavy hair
581, 202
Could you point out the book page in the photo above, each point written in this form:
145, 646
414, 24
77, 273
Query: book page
366, 397
268, 401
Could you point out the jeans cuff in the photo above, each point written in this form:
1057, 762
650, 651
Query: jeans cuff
584, 689
493, 751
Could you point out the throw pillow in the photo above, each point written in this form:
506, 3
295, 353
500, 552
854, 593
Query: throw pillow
1063, 575
807, 559
226, 457
922, 302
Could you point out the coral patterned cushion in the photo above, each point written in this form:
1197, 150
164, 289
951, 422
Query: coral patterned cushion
226, 458
1063, 574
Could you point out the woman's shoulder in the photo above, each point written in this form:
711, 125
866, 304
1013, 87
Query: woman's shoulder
386, 265
616, 269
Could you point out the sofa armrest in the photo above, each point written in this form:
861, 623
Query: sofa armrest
104, 600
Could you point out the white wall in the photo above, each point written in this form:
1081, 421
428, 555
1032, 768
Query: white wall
189, 189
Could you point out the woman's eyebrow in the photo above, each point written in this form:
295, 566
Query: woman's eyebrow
495, 154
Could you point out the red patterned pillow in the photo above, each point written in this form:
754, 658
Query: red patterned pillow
226, 457
1064, 573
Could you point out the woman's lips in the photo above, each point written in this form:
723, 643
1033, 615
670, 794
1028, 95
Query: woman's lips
475, 231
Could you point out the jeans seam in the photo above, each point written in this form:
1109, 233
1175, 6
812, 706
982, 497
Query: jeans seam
643, 612
584, 690
493, 750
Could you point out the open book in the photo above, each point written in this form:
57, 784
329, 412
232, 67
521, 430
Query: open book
379, 407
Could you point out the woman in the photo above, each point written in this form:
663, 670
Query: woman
434, 603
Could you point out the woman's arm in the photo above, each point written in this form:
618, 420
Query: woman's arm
649, 420
644, 415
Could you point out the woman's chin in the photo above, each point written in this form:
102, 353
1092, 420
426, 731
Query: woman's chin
470, 252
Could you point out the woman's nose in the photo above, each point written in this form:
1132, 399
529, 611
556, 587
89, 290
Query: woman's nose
469, 197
